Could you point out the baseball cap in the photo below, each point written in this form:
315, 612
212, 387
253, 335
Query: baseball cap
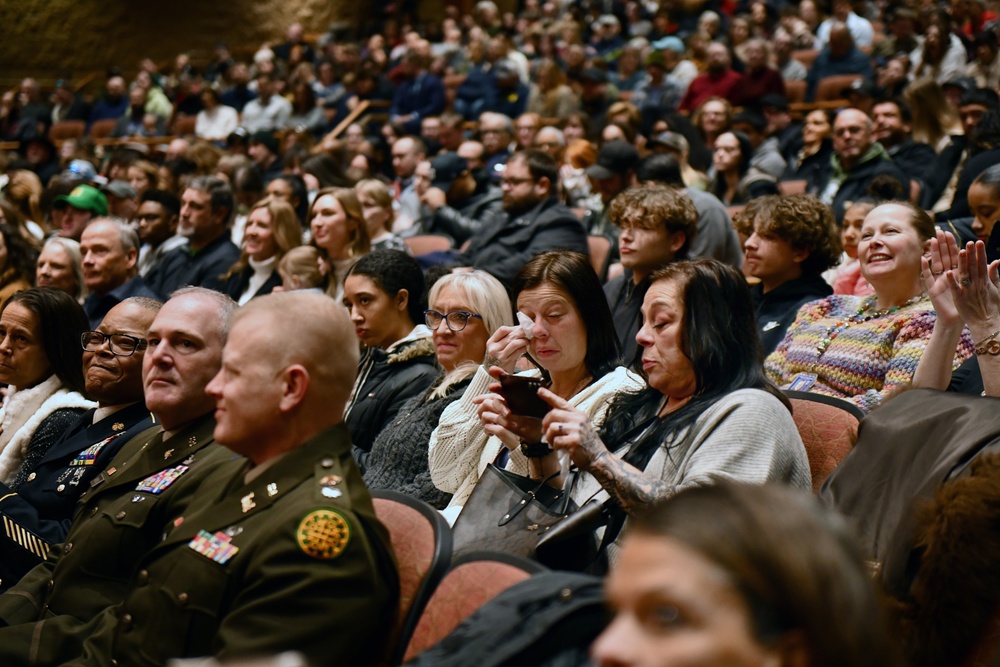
504, 68
615, 157
121, 189
673, 43
447, 167
85, 197
671, 140
80, 169
965, 83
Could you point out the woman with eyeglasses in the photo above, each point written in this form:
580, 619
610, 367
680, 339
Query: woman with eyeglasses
385, 296
464, 309
571, 339
41, 363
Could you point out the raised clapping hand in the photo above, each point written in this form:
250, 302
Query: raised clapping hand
942, 260
975, 287
567, 428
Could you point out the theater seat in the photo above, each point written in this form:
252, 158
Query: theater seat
828, 427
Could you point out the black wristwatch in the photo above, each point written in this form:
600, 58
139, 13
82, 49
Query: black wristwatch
535, 450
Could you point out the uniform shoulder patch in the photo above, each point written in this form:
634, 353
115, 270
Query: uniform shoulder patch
323, 534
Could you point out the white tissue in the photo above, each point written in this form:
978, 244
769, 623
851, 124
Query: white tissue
527, 324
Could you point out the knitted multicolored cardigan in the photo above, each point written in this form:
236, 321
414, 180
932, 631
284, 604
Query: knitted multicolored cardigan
866, 359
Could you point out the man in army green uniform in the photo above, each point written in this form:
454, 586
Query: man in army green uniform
280, 552
146, 486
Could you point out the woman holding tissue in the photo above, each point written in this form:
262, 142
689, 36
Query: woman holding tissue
568, 332
708, 413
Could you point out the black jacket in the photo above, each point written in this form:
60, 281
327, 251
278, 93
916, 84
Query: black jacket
777, 309
625, 299
916, 160
462, 222
944, 167
238, 282
810, 167
42, 507
503, 245
386, 380
201, 268
855, 185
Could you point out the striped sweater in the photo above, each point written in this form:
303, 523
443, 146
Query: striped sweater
866, 360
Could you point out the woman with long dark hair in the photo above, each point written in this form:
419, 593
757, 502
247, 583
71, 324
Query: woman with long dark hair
41, 361
708, 412
572, 337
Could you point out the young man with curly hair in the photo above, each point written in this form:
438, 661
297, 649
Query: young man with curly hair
656, 225
788, 243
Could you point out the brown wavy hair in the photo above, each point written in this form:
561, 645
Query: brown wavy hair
803, 221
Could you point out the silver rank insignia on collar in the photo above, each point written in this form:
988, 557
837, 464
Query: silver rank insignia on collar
247, 503
192, 441
166, 454
272, 490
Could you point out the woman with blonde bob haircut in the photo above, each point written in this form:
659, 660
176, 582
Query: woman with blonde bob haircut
463, 308
721, 575
272, 229
339, 231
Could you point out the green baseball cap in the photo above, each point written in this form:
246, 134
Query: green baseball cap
85, 197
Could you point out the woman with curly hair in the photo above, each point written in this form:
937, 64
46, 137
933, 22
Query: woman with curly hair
790, 241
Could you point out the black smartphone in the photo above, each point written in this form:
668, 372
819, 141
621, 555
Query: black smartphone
521, 394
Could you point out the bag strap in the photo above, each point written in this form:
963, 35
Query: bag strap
526, 498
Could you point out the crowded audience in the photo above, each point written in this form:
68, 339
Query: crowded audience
606, 249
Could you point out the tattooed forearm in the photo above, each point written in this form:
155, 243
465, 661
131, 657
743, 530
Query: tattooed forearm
629, 486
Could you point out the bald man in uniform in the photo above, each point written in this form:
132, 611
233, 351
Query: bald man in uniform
281, 552
127, 506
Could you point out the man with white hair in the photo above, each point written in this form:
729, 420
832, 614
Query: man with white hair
110, 250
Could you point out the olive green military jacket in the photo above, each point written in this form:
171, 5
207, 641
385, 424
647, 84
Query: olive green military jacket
122, 516
294, 559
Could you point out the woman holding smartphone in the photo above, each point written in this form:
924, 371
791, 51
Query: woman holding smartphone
571, 337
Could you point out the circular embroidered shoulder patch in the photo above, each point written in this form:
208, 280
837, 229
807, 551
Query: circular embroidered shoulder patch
323, 534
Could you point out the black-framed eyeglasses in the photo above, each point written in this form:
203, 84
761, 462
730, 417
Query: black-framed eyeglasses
456, 319
121, 345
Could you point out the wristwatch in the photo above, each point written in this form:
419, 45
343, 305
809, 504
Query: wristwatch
535, 450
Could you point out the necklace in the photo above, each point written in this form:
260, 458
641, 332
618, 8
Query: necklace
864, 314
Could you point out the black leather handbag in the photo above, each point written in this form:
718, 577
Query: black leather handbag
509, 513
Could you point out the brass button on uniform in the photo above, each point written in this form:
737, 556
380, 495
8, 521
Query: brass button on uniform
120, 516
67, 547
61, 488
326, 463
93, 511
126, 621
31, 477
182, 598
143, 577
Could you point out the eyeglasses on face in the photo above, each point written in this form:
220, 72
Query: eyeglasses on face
456, 319
121, 345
